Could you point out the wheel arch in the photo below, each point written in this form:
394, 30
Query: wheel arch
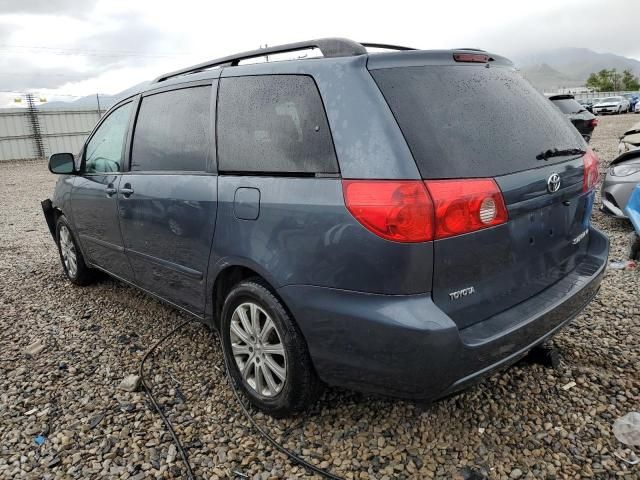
51, 214
229, 276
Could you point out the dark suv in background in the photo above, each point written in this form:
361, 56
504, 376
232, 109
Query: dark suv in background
401, 222
577, 113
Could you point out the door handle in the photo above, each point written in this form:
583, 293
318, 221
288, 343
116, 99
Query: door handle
110, 190
127, 191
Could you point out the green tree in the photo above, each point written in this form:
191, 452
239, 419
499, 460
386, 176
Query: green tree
593, 81
615, 79
602, 80
630, 81
612, 80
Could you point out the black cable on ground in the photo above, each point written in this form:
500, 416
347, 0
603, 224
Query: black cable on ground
183, 453
167, 422
294, 457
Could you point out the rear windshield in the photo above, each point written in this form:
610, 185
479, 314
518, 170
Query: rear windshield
568, 105
472, 121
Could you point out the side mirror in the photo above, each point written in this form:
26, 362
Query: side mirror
62, 163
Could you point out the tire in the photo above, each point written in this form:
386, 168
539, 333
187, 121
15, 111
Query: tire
73, 263
293, 385
634, 249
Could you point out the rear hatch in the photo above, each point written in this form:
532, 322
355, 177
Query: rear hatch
582, 119
483, 120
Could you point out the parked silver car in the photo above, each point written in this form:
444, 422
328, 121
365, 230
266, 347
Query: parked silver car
630, 140
612, 105
622, 177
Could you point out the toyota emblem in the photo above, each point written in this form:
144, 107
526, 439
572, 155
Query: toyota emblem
553, 183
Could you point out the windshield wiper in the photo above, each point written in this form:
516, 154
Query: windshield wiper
554, 152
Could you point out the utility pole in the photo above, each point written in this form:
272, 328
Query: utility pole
35, 125
98, 101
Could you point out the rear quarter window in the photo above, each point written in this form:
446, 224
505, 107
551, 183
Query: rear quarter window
273, 124
472, 121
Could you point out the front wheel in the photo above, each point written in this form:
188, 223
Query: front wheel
73, 263
265, 352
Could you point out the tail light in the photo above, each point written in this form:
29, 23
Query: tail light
466, 205
591, 172
416, 211
593, 123
471, 57
396, 210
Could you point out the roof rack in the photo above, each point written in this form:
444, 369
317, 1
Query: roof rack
330, 47
386, 46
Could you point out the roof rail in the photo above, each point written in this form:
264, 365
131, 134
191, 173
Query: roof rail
330, 47
385, 46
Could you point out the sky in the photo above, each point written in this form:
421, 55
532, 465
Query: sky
63, 49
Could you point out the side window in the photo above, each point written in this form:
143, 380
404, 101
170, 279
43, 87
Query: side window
273, 123
172, 131
104, 150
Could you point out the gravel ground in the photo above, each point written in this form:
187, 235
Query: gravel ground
517, 424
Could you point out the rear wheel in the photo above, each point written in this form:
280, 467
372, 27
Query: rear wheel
265, 352
634, 249
73, 263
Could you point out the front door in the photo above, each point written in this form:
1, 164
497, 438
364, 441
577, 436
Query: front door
94, 196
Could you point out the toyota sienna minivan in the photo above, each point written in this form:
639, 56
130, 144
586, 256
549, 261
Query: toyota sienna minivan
401, 222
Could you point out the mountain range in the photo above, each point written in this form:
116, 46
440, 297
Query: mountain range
569, 67
91, 101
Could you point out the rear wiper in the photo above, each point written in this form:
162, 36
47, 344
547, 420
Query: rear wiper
554, 152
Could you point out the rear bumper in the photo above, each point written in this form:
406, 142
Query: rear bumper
406, 346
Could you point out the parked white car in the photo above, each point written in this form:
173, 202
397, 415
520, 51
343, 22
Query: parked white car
612, 105
637, 109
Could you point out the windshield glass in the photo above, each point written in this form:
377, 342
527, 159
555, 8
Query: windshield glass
462, 121
611, 99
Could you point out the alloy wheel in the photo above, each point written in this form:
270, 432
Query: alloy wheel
68, 250
258, 349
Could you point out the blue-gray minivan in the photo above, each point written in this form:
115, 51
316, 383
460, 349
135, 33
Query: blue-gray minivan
400, 222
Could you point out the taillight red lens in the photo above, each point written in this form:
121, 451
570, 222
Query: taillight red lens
396, 210
466, 205
594, 122
591, 173
415, 211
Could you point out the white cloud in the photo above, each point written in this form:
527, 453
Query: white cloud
109, 45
